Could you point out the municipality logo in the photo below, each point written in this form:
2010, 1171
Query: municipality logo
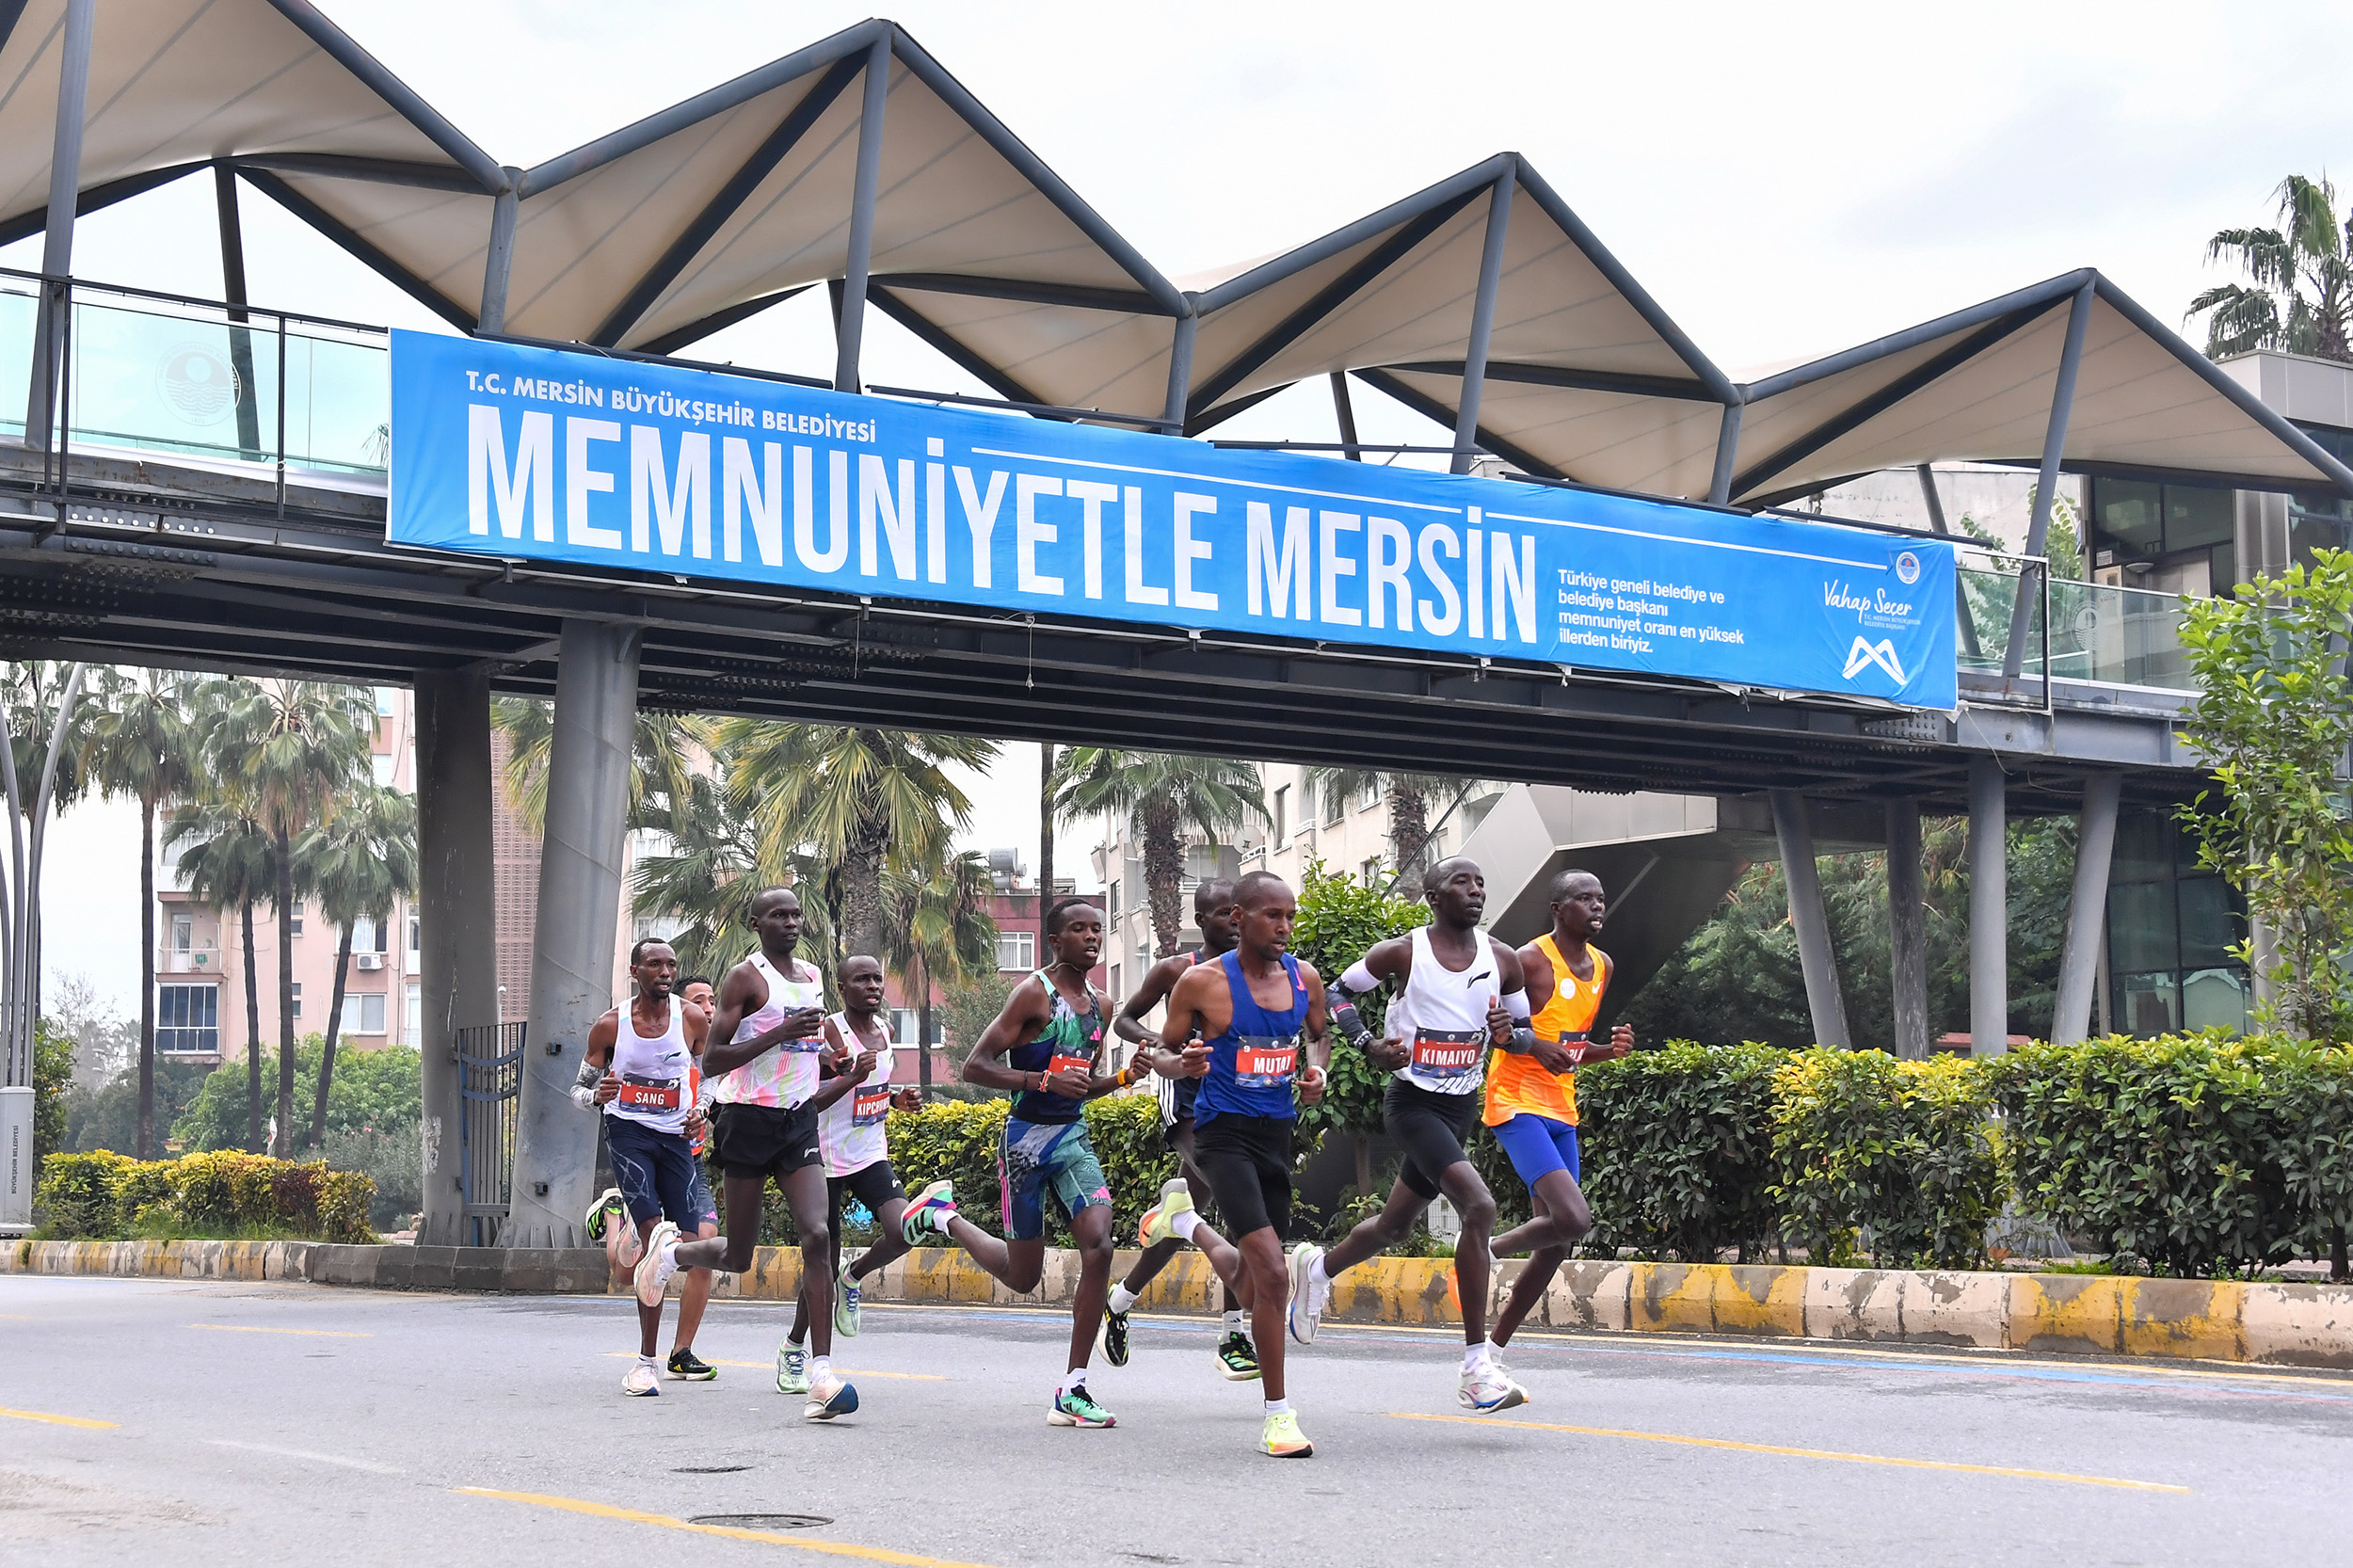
1907, 568
1882, 653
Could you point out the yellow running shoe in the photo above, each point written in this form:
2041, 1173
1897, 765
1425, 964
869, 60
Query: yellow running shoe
1282, 1439
1175, 1198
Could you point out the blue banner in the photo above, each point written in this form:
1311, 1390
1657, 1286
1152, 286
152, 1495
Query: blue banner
539, 453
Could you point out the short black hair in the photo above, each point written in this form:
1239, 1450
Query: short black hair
1206, 896
1058, 913
1252, 887
637, 949
765, 894
1560, 883
697, 980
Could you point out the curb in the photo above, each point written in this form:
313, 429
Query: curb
2291, 1325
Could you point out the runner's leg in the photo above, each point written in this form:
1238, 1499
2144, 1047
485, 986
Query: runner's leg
805, 1198
1091, 1228
648, 1318
695, 1296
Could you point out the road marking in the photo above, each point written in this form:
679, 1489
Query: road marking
305, 1333
305, 1453
768, 1365
1802, 1453
603, 1510
60, 1421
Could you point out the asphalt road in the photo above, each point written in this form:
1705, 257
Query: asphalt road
161, 1423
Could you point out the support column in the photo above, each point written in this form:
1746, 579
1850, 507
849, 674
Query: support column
1345, 408
1989, 908
233, 289
572, 949
1907, 930
1806, 912
57, 240
851, 331
1482, 319
1179, 371
2031, 578
2087, 910
456, 919
499, 263
1727, 453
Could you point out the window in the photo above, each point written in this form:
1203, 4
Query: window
293, 927
297, 989
187, 1019
1201, 862
2171, 927
1115, 991
416, 932
1113, 911
413, 1013
1371, 795
1282, 810
1334, 805
1370, 871
1017, 949
363, 1014
387, 697
366, 936
183, 933
381, 765
904, 1025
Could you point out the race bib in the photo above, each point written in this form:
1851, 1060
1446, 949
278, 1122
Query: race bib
1445, 1054
1265, 1064
652, 1093
870, 1106
1063, 1064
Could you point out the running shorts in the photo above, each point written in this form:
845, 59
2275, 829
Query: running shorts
659, 1176
764, 1139
872, 1185
1040, 1156
1538, 1145
1176, 1110
1248, 1161
1430, 1128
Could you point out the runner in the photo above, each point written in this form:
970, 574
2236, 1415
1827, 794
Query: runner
771, 1017
1531, 1093
857, 1152
1213, 913
642, 1077
1460, 993
1236, 1027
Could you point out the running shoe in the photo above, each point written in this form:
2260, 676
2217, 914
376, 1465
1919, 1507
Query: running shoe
845, 1294
1160, 1220
641, 1382
1282, 1439
607, 1202
1309, 1299
1076, 1408
1238, 1358
623, 1242
1485, 1390
792, 1368
653, 1273
687, 1366
933, 1207
829, 1398
1112, 1338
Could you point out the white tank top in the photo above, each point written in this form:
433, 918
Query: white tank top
787, 1075
850, 1130
1443, 1017
653, 1072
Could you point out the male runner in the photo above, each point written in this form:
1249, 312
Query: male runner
771, 1019
1236, 1025
858, 1150
642, 1076
1531, 1095
1213, 912
1446, 1015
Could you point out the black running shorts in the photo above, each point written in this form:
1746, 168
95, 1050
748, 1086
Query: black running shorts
764, 1139
872, 1185
1248, 1161
1430, 1128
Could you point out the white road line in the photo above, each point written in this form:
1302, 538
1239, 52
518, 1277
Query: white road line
369, 1466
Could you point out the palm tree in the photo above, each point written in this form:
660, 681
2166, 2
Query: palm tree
293, 745
706, 876
139, 746
2301, 296
358, 863
1409, 795
1160, 792
47, 728
936, 927
226, 859
671, 751
856, 800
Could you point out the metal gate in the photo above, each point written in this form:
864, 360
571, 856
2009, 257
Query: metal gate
489, 1077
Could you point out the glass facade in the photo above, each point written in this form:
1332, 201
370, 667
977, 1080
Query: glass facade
2184, 534
2322, 520
2170, 928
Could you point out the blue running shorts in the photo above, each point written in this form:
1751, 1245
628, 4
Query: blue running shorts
1538, 1145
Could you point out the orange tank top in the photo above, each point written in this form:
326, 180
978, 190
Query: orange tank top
1517, 1085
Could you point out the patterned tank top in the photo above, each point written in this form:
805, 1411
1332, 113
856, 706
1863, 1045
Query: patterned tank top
788, 1075
1069, 1041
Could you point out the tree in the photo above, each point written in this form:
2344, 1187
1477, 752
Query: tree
704, 873
671, 750
292, 746
2301, 296
227, 862
1161, 794
2273, 717
358, 863
938, 927
1340, 919
1408, 794
43, 774
139, 746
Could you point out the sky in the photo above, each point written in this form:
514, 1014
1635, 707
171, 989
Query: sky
1786, 181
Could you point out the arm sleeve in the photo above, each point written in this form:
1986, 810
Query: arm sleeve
1515, 1003
1359, 980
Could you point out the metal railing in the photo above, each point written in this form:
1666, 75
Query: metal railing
2094, 632
489, 1080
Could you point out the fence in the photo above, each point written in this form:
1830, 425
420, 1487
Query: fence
489, 1077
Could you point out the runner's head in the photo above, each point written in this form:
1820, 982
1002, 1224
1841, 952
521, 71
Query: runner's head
1578, 906
654, 967
1074, 928
861, 979
1264, 909
1213, 913
698, 989
1457, 891
776, 916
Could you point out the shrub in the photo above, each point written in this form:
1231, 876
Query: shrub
1677, 1149
77, 1193
105, 1196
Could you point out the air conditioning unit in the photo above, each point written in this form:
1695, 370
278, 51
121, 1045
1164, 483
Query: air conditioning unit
370, 962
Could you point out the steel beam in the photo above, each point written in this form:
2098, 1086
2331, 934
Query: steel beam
702, 326
1989, 908
1345, 411
1794, 833
380, 171
974, 363
1727, 453
351, 240
850, 326
1179, 369
57, 242
2030, 599
1482, 320
391, 89
1430, 408
498, 262
232, 291
97, 197
2087, 910
457, 918
1569, 377
1029, 290
2033, 298
1907, 929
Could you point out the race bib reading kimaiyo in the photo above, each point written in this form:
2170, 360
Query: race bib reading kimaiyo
1446, 1053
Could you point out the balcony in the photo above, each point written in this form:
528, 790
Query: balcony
199, 958
2096, 632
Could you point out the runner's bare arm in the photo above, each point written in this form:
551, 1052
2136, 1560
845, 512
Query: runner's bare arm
1025, 1011
1318, 1037
1508, 1012
1200, 1004
697, 1028
1536, 977
1160, 981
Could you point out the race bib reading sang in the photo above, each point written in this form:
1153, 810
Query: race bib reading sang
1065, 1063
652, 1093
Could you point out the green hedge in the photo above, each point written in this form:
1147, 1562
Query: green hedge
228, 1195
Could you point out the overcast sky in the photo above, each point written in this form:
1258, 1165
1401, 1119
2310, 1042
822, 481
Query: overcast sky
1785, 180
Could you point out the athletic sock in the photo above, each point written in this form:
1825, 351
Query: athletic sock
645, 1361
820, 1368
1278, 1407
1473, 1356
1123, 1298
669, 1254
1183, 1225
1233, 1323
794, 1339
1075, 1379
1315, 1271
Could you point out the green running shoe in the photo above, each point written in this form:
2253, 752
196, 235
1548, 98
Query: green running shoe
792, 1368
845, 1307
687, 1366
1238, 1358
1112, 1338
1282, 1438
1076, 1408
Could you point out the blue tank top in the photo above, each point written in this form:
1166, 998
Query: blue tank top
1253, 1062
1068, 1041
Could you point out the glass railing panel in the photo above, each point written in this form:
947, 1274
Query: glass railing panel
1984, 603
338, 402
18, 308
158, 379
2123, 636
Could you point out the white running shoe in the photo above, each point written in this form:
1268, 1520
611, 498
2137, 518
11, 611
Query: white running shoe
792, 1368
1309, 1299
846, 1301
1486, 1389
622, 1240
828, 1398
1157, 1227
653, 1271
643, 1382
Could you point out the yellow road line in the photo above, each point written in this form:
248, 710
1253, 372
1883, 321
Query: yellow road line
60, 1421
305, 1333
1802, 1453
603, 1510
846, 1371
